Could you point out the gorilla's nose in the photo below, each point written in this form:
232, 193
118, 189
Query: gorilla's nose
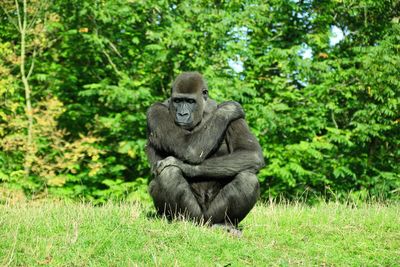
183, 114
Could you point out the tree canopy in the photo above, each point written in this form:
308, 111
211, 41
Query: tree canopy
76, 78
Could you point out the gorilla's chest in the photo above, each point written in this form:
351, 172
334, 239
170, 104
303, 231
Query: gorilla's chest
204, 188
222, 149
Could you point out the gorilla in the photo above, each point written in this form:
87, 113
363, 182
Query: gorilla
203, 156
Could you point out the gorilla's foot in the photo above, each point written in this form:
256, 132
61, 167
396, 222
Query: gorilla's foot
228, 228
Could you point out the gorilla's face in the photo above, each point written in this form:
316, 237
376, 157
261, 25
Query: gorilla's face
184, 108
189, 95
187, 110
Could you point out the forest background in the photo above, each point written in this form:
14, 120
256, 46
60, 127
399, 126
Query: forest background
76, 79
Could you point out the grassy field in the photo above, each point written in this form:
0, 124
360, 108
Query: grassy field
328, 234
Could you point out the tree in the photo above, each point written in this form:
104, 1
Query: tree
327, 122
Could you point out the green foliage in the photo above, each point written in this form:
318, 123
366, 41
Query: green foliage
328, 124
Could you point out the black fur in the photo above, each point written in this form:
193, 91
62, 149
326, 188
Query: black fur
208, 170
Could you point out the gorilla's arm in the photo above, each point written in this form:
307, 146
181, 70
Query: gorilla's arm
192, 147
153, 157
245, 154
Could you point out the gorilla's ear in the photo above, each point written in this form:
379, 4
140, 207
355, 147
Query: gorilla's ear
205, 93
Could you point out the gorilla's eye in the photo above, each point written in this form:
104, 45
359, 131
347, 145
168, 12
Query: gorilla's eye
177, 100
191, 101
205, 92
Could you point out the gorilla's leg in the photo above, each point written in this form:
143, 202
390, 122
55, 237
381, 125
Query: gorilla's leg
235, 200
172, 195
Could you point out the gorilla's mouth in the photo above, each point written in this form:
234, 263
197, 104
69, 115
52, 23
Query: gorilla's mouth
183, 120
184, 123
188, 126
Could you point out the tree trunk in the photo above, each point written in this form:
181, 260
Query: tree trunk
29, 114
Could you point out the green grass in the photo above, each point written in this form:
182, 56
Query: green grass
61, 234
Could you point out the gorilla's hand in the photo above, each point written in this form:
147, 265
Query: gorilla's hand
168, 161
171, 161
230, 110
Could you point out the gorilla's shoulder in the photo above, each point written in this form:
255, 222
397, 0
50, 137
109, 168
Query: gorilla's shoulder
156, 112
230, 103
231, 109
210, 106
158, 107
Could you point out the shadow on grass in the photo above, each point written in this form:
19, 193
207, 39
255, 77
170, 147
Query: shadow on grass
228, 227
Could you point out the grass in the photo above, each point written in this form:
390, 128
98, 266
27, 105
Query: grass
327, 234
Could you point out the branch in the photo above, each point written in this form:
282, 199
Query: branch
25, 15
333, 119
53, 41
365, 17
41, 7
32, 65
32, 22
9, 17
111, 62
108, 55
19, 16
114, 48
